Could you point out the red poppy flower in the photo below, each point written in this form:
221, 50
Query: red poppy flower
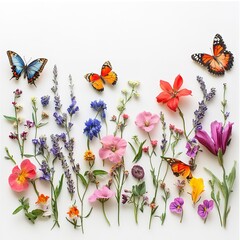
171, 95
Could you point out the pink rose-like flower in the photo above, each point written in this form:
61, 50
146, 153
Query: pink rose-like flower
113, 148
147, 121
19, 178
102, 194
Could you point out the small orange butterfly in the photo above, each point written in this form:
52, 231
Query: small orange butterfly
220, 61
107, 75
179, 168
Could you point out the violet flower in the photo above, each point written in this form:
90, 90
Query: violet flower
220, 137
176, 206
205, 208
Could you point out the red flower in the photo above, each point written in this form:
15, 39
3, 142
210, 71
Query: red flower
171, 95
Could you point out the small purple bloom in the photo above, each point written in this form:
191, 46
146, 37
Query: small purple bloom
138, 172
35, 141
100, 107
176, 206
220, 137
45, 100
192, 148
72, 109
205, 208
29, 124
46, 171
59, 119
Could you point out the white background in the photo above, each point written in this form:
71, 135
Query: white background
144, 41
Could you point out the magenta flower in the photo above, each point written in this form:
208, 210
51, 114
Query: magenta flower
176, 206
113, 148
205, 208
192, 148
147, 121
102, 194
219, 139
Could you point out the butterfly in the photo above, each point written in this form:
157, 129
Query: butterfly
107, 75
220, 61
179, 168
31, 71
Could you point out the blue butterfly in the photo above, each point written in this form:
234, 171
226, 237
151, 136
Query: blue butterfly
31, 71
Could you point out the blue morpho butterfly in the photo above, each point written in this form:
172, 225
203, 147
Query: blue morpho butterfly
31, 71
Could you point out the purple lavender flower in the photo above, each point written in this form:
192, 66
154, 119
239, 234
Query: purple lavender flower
45, 100
93, 127
205, 208
100, 107
72, 109
35, 141
199, 115
220, 137
60, 120
176, 206
192, 148
46, 171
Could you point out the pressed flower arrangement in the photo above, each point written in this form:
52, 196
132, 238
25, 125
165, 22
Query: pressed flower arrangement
154, 172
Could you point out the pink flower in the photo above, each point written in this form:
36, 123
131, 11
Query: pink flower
102, 194
113, 148
19, 178
147, 121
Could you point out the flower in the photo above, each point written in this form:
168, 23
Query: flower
89, 156
220, 137
45, 100
205, 208
180, 186
102, 194
147, 121
192, 148
137, 172
197, 186
42, 203
73, 212
176, 205
171, 95
72, 109
113, 148
100, 107
93, 127
19, 178
46, 171
42, 199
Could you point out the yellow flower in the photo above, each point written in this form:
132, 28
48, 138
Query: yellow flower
89, 156
197, 186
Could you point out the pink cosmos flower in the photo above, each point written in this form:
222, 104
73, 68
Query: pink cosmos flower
102, 194
113, 148
19, 178
147, 121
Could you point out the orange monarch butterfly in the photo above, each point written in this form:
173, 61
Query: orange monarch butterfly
221, 61
179, 168
107, 75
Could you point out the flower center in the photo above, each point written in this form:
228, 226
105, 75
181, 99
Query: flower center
146, 123
22, 177
113, 148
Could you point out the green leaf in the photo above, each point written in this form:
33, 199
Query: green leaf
31, 217
37, 212
11, 119
135, 191
59, 187
18, 209
84, 182
231, 178
141, 188
155, 183
41, 124
218, 198
134, 150
28, 155
99, 172
139, 154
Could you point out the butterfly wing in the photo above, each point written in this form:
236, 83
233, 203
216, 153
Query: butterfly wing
107, 74
34, 69
224, 57
17, 64
95, 80
179, 168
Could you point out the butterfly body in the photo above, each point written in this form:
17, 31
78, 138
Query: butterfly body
221, 60
179, 168
31, 71
107, 75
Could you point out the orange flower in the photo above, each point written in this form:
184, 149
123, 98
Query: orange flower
73, 212
197, 186
42, 199
89, 156
171, 95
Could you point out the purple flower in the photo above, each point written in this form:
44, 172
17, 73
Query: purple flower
205, 208
220, 137
176, 206
100, 107
138, 172
46, 171
192, 148
60, 120
45, 100
93, 127
72, 109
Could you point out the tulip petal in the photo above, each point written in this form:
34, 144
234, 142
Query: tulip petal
216, 133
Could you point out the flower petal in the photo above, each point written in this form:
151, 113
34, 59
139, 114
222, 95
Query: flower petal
165, 86
178, 82
216, 133
163, 97
226, 136
206, 141
184, 92
16, 185
29, 168
173, 104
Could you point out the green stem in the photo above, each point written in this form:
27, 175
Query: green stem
184, 124
226, 198
104, 213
